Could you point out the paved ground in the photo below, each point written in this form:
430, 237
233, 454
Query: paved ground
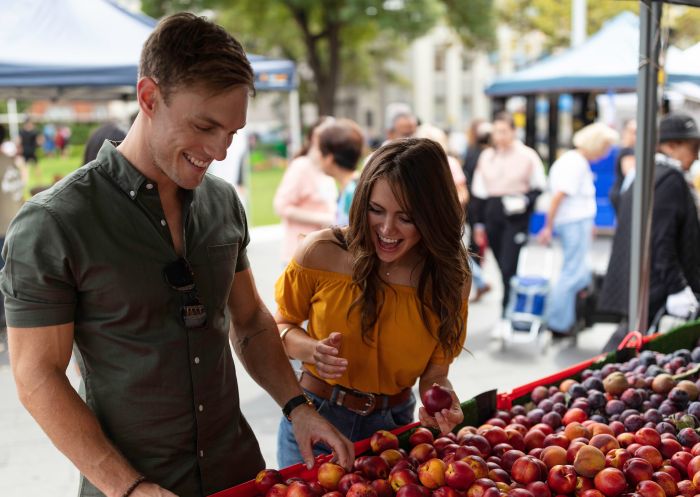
30, 465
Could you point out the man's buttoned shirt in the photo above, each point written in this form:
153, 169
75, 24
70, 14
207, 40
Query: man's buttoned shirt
91, 250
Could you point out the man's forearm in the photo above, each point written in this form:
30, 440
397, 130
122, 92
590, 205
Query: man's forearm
258, 346
74, 430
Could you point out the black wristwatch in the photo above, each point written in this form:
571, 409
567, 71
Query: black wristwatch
295, 402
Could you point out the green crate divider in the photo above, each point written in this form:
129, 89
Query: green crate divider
683, 337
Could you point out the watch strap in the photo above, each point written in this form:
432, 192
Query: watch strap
295, 402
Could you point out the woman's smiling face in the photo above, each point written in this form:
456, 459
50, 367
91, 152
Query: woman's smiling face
393, 233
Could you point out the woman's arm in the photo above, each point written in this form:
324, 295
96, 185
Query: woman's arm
324, 354
545, 236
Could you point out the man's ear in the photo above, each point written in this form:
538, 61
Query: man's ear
147, 92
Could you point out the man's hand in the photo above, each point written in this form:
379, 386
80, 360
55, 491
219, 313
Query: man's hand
147, 489
444, 420
310, 428
326, 360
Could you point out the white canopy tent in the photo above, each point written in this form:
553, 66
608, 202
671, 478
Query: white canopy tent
90, 49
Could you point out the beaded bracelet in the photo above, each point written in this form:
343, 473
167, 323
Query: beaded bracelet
138, 481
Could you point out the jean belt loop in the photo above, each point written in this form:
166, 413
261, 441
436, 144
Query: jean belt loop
334, 394
338, 396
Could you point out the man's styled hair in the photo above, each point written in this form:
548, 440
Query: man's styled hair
343, 138
186, 50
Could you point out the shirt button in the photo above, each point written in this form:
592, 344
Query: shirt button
162, 222
201, 408
201, 453
149, 186
132, 193
196, 360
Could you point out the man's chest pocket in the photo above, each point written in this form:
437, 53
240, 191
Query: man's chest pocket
218, 271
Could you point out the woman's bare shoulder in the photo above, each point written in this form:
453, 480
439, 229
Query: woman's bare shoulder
323, 251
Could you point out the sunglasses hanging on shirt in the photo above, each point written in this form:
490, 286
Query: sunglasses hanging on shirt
180, 277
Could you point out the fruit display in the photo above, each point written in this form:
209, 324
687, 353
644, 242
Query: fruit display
628, 429
622, 425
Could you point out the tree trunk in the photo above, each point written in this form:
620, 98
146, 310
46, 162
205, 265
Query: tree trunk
326, 75
329, 85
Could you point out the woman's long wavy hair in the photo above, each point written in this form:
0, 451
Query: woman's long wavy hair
420, 178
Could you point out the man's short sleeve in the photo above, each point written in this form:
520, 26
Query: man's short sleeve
37, 279
242, 263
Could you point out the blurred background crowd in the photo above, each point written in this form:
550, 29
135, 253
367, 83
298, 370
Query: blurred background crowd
368, 72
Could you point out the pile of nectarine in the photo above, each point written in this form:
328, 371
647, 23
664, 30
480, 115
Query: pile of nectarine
625, 430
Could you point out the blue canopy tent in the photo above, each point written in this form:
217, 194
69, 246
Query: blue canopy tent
90, 49
606, 61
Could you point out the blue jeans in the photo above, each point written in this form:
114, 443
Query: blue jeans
477, 274
352, 425
575, 275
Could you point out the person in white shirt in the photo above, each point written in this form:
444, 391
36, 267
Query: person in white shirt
571, 214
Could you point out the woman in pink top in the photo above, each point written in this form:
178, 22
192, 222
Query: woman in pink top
507, 180
306, 197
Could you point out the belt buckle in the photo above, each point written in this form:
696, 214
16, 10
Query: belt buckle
370, 403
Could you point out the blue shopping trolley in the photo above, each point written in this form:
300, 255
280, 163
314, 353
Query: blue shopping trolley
527, 304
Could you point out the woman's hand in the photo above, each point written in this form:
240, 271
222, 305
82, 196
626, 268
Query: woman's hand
326, 357
444, 420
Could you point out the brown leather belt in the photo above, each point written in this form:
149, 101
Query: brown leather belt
361, 403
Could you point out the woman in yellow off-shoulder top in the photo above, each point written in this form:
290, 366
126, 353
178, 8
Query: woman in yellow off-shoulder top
385, 299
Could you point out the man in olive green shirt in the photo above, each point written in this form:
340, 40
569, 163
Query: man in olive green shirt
140, 258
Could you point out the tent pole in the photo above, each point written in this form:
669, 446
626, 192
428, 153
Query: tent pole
294, 123
553, 128
531, 121
643, 186
13, 118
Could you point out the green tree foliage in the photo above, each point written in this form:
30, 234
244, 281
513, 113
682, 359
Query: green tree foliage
553, 17
341, 41
686, 27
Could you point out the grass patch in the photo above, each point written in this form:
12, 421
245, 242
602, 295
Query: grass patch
51, 169
263, 183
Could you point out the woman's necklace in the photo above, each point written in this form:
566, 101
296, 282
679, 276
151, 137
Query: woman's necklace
388, 270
